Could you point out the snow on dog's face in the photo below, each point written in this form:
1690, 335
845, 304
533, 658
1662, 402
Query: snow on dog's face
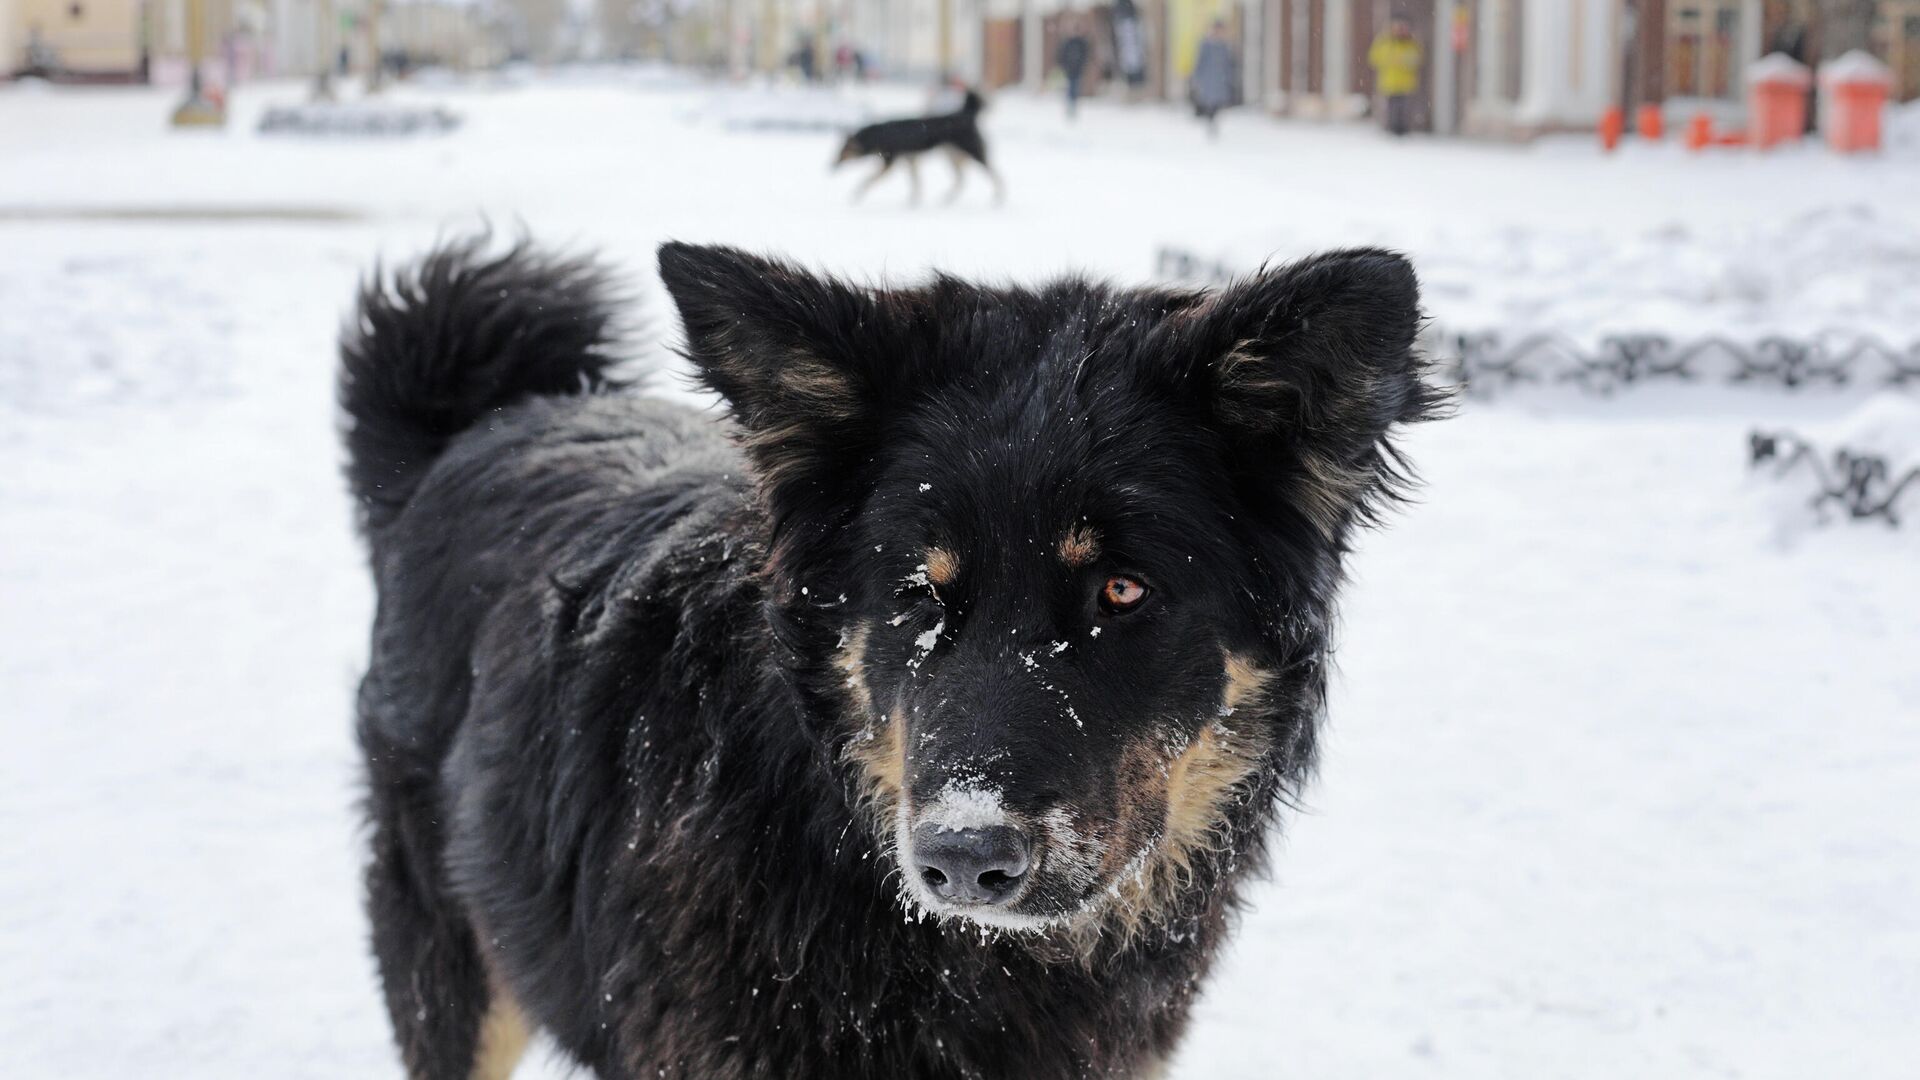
1063, 558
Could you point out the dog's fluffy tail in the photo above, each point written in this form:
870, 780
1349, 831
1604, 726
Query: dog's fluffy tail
463, 332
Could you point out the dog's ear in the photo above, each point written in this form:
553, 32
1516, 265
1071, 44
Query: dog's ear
1306, 369
794, 355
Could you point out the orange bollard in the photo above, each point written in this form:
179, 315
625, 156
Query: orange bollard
1612, 123
1650, 122
1699, 131
1857, 86
1777, 100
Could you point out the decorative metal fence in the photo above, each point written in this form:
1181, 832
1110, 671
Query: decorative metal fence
1486, 365
357, 119
1179, 264
1864, 486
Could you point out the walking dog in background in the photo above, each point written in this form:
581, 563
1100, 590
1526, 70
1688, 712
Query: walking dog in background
923, 720
957, 133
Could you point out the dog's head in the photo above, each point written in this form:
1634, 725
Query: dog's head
1064, 557
850, 150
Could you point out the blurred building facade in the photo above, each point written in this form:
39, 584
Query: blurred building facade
1501, 68
98, 40
147, 40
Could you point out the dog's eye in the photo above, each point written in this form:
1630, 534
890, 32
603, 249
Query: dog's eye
1122, 594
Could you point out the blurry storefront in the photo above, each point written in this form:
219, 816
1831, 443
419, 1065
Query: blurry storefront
1313, 58
84, 41
1520, 68
146, 40
74, 40
1692, 55
1019, 42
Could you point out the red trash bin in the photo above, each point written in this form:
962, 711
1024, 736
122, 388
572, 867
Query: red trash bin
1856, 86
1777, 87
1650, 122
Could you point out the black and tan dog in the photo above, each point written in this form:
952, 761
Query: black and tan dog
957, 133
923, 721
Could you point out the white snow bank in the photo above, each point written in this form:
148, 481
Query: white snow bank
1849, 270
1847, 267
776, 108
1902, 132
86, 330
1888, 426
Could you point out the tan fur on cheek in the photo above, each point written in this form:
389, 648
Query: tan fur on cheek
878, 749
852, 661
880, 755
1187, 796
1197, 785
1080, 546
1142, 792
1202, 778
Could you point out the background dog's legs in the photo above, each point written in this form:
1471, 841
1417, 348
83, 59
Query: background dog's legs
886, 164
958, 161
913, 176
999, 189
435, 982
976, 148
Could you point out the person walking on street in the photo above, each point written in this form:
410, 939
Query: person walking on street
1129, 50
1395, 59
1211, 84
1074, 53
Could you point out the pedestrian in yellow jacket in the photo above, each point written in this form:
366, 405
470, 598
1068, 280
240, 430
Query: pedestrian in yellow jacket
1395, 58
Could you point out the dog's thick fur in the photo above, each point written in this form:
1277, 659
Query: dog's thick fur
652, 701
957, 133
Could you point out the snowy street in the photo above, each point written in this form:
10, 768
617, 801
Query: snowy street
1624, 757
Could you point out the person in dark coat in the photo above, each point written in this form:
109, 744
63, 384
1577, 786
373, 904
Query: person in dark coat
1129, 48
1074, 53
1211, 84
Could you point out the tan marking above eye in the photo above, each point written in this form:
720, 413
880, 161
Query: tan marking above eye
943, 567
1080, 546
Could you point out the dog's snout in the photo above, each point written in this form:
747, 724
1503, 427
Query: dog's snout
983, 866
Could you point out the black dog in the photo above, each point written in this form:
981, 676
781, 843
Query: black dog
958, 133
923, 723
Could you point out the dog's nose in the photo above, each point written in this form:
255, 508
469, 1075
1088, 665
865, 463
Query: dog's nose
971, 866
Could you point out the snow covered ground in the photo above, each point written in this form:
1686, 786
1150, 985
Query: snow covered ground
1619, 782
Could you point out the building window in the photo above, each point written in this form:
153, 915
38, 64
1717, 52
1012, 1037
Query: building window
1703, 42
1896, 39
